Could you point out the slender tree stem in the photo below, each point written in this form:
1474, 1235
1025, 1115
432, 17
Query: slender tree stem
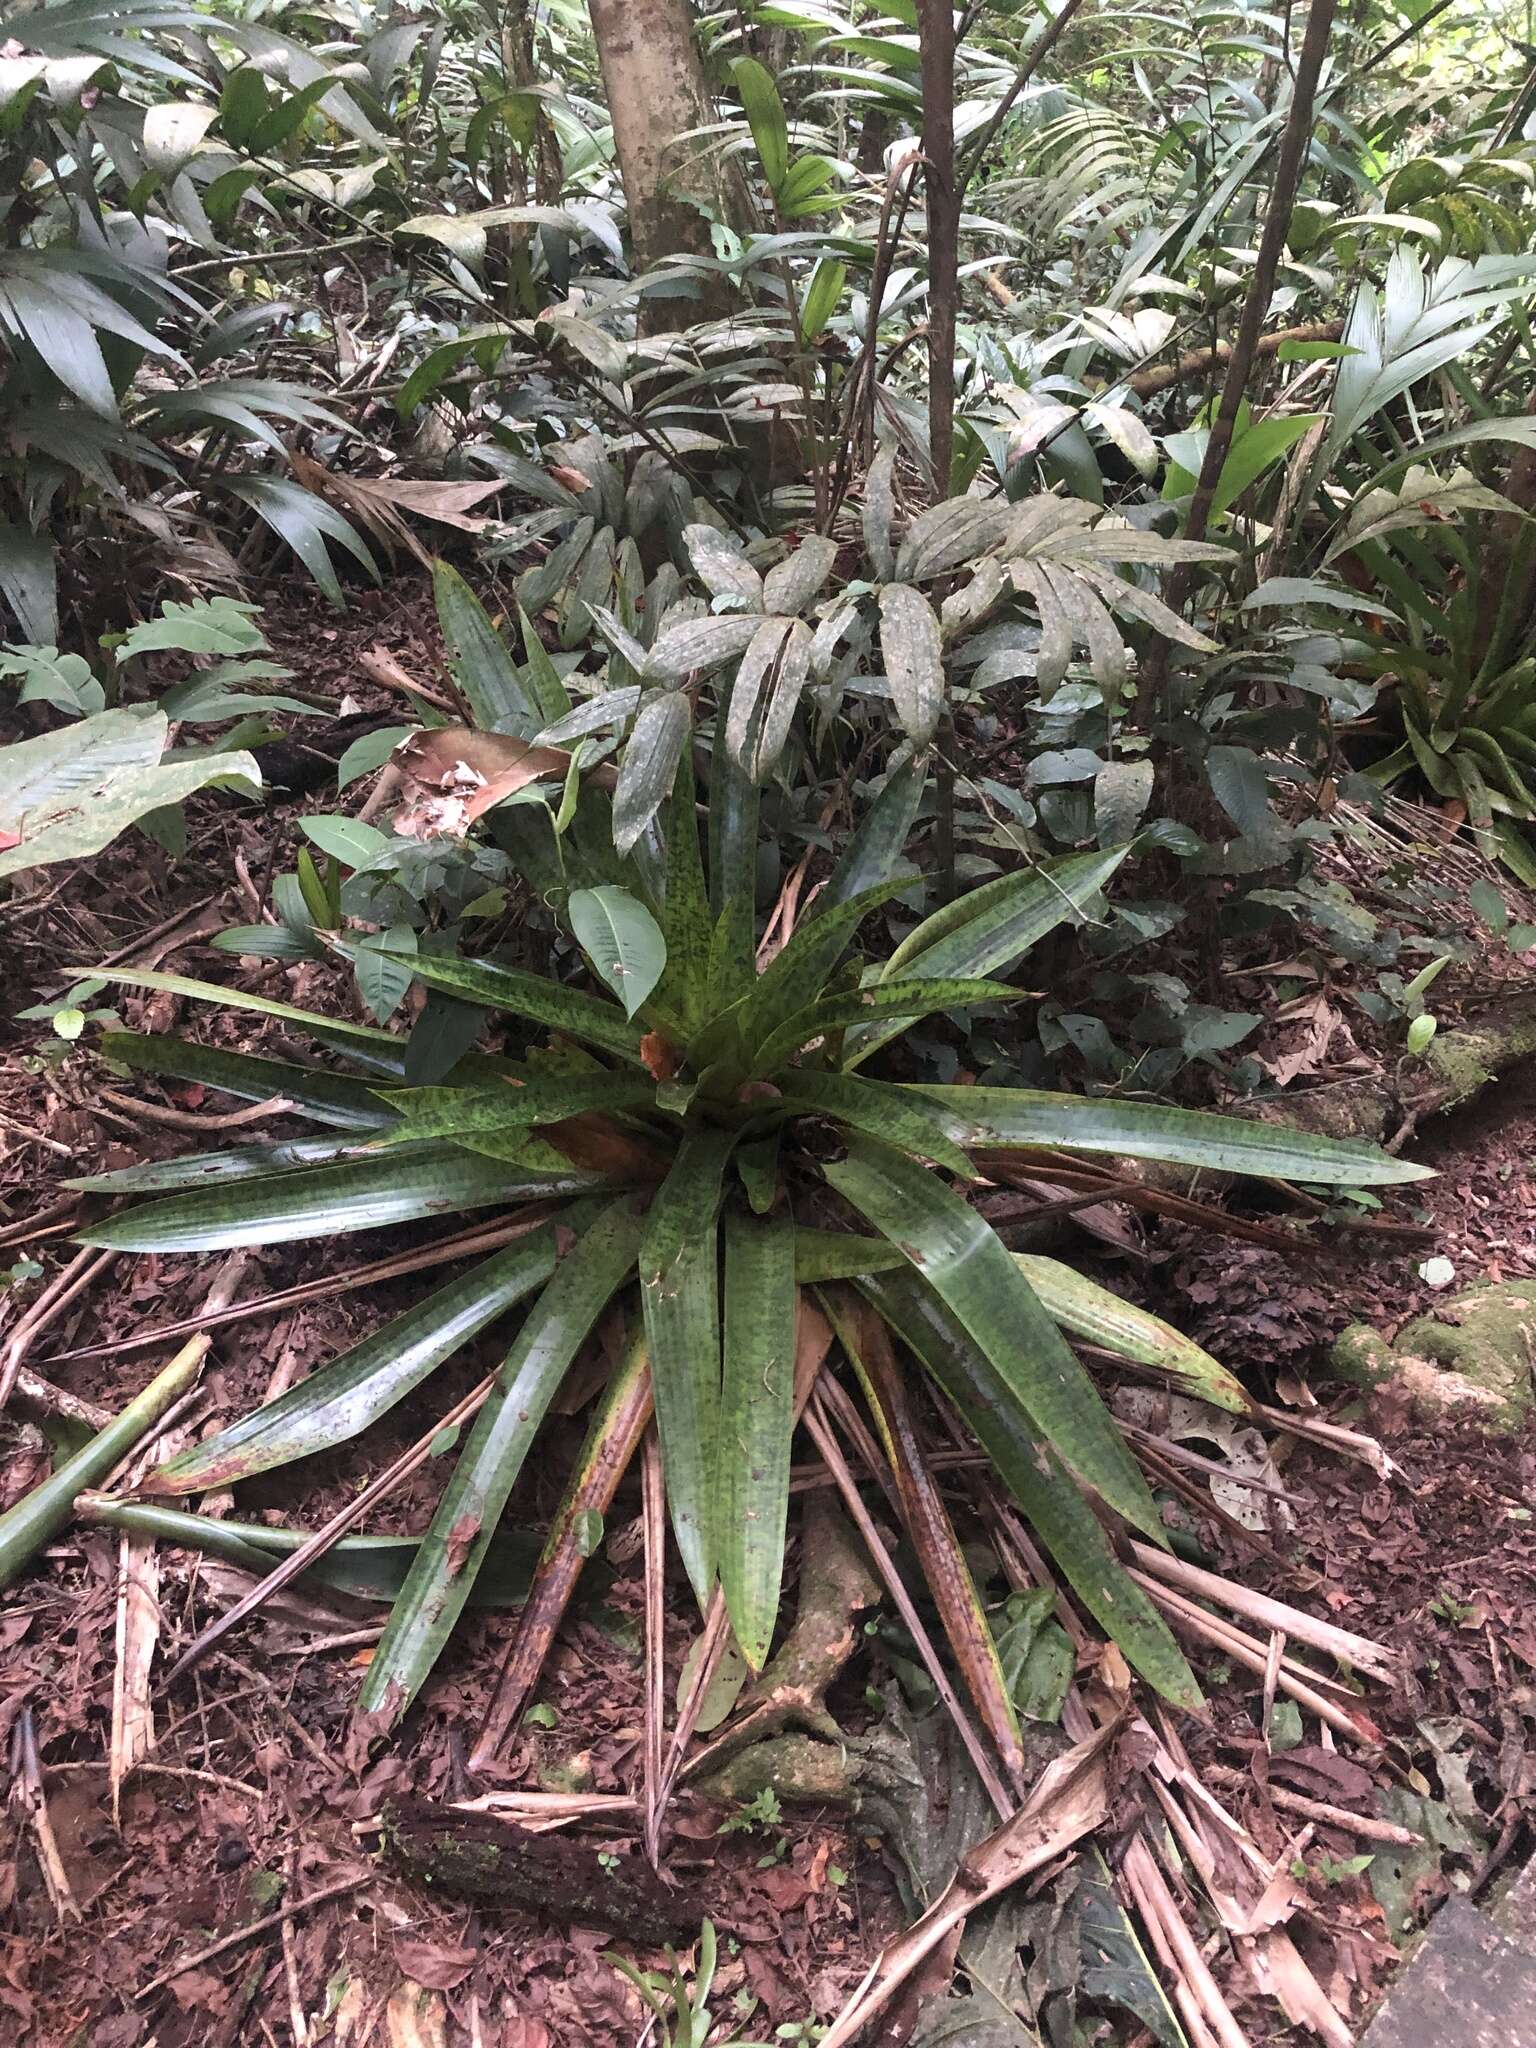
1277, 220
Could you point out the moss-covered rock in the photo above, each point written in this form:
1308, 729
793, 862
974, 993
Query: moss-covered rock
1473, 1358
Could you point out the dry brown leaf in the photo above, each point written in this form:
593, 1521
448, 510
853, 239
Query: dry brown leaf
1070, 1799
416, 2017
456, 775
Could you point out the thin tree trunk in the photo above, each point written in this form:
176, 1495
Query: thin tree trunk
936, 38
1277, 222
657, 93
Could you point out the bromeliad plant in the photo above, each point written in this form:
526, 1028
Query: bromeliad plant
694, 1134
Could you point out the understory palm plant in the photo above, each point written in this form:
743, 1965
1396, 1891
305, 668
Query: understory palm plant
694, 1136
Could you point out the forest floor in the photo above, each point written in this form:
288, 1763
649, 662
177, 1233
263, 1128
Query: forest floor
257, 1791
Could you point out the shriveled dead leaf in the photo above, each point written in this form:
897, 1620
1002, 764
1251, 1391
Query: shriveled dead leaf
416, 2017
455, 775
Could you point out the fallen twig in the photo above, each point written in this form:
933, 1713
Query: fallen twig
301, 1559
255, 1927
471, 1243
52, 1302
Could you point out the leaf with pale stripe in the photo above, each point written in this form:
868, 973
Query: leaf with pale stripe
453, 1549
679, 1289
343, 1398
966, 1264
1028, 1117
756, 1423
328, 1201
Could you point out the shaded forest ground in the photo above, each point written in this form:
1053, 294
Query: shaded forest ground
255, 1790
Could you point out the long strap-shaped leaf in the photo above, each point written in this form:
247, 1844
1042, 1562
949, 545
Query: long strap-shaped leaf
864, 1337
874, 1005
756, 1423
1178, 1137
365, 1567
621, 1421
452, 1549
685, 919
531, 996
344, 1397
328, 1098
880, 837
1075, 1304
993, 927
243, 999
967, 1265
1087, 1310
877, 1109
328, 1201
1034, 1474
211, 1169
680, 1291
734, 802
796, 976
996, 924
545, 1099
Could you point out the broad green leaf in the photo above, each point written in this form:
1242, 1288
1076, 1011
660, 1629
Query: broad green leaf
348, 840
679, 1290
384, 966
876, 1109
765, 117
328, 1098
341, 1399
454, 1547
790, 586
321, 1201
540, 1099
532, 996
914, 659
1092, 1312
68, 794
756, 1424
1032, 1470
622, 941
966, 1264
306, 523
656, 746
482, 663
1177, 1137
872, 1004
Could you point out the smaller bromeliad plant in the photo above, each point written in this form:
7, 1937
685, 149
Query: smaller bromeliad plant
693, 1132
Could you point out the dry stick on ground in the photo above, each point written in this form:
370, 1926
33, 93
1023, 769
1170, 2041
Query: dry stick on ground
185, 1120
1277, 220
52, 1302
654, 1511
469, 1245
33, 1391
821, 1435
29, 1798
137, 1632
324, 1539
267, 1920
1196, 362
